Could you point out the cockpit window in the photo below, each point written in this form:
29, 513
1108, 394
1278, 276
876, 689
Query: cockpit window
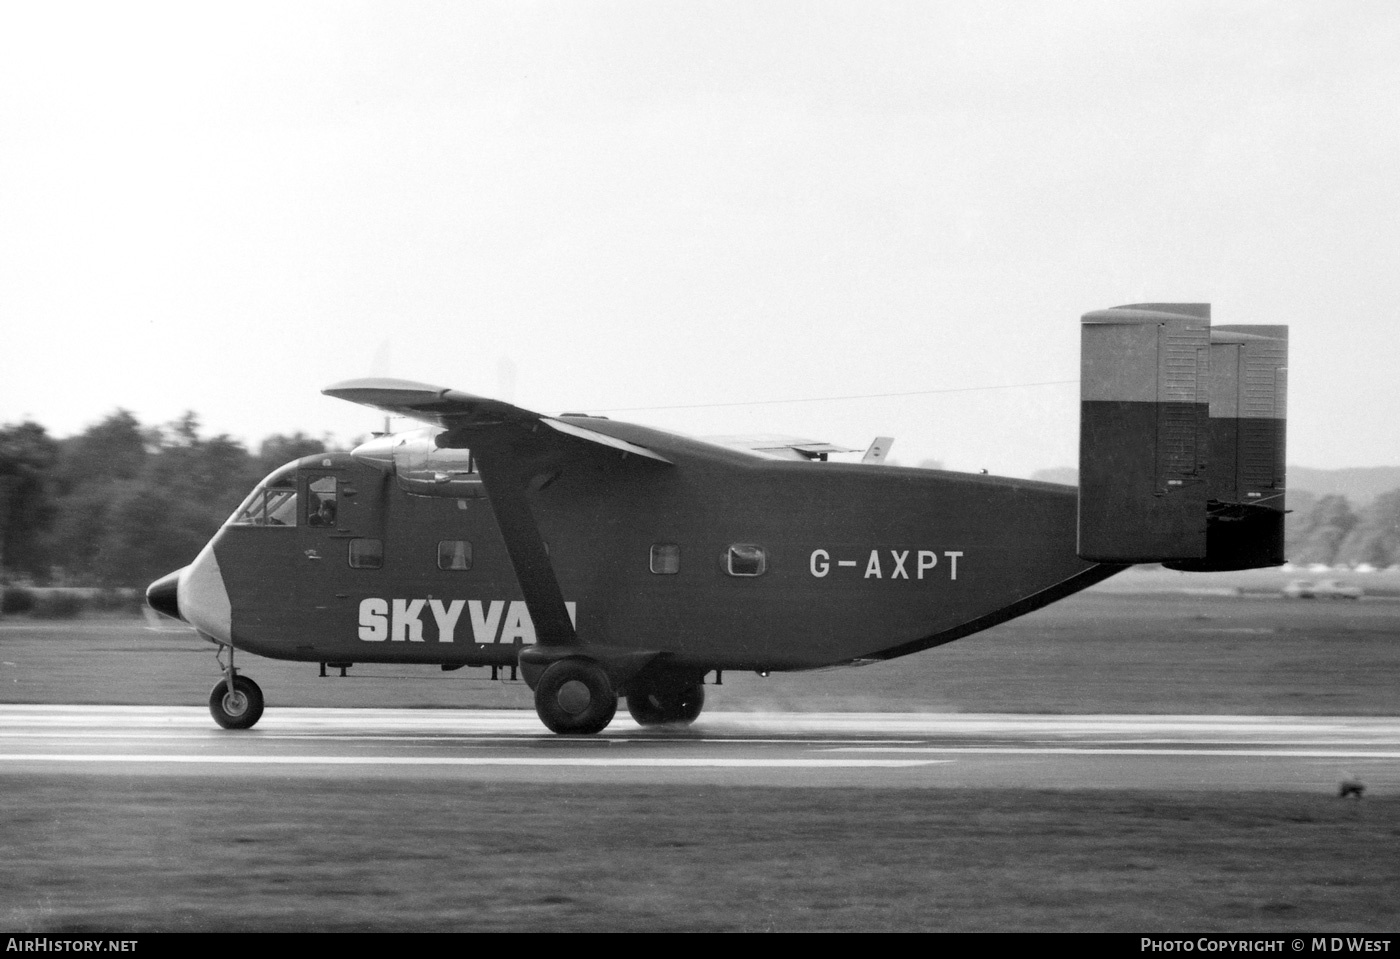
272, 503
268, 507
320, 504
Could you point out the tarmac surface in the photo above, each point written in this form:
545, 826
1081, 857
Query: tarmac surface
875, 750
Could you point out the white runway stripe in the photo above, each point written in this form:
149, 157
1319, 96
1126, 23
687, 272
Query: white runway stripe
1121, 751
671, 762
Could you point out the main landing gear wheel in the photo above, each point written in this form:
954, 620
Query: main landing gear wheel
575, 696
661, 706
239, 709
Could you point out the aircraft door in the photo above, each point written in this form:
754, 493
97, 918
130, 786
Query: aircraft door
320, 504
328, 547
337, 504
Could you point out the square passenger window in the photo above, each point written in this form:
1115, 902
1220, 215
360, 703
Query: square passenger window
665, 558
366, 553
745, 559
454, 554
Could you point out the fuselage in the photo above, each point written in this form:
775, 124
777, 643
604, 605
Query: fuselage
724, 560
610, 561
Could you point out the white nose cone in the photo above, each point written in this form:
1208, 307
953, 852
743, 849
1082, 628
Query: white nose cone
203, 598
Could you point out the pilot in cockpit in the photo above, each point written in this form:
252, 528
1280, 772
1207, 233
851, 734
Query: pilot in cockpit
324, 514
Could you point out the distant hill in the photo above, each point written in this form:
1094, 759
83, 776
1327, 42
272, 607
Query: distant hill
1359, 484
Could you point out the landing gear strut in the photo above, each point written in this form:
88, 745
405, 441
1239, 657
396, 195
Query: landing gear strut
235, 702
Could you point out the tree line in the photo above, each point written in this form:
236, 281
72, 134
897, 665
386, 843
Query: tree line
1328, 529
122, 504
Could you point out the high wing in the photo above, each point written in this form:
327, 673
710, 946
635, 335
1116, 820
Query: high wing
513, 452
464, 416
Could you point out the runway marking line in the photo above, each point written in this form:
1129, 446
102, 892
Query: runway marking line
490, 738
476, 761
1314, 750
1120, 751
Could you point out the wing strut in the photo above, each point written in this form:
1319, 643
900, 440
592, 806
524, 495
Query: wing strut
505, 485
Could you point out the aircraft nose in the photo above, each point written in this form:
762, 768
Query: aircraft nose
163, 595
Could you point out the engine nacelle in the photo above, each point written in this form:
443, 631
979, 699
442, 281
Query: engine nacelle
420, 466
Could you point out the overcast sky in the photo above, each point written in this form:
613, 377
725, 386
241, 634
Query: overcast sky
605, 206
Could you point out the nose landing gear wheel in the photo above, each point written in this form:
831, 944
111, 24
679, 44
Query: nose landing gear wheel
662, 706
238, 709
575, 696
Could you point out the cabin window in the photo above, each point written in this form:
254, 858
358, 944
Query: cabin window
366, 553
665, 559
745, 559
320, 502
454, 554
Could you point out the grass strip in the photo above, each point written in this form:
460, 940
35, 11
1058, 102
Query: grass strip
212, 853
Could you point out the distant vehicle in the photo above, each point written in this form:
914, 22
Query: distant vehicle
1322, 589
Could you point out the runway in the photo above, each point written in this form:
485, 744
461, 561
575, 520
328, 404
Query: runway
873, 750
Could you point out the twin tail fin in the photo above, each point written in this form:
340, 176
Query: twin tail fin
1181, 445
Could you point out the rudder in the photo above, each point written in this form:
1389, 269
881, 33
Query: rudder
1181, 439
